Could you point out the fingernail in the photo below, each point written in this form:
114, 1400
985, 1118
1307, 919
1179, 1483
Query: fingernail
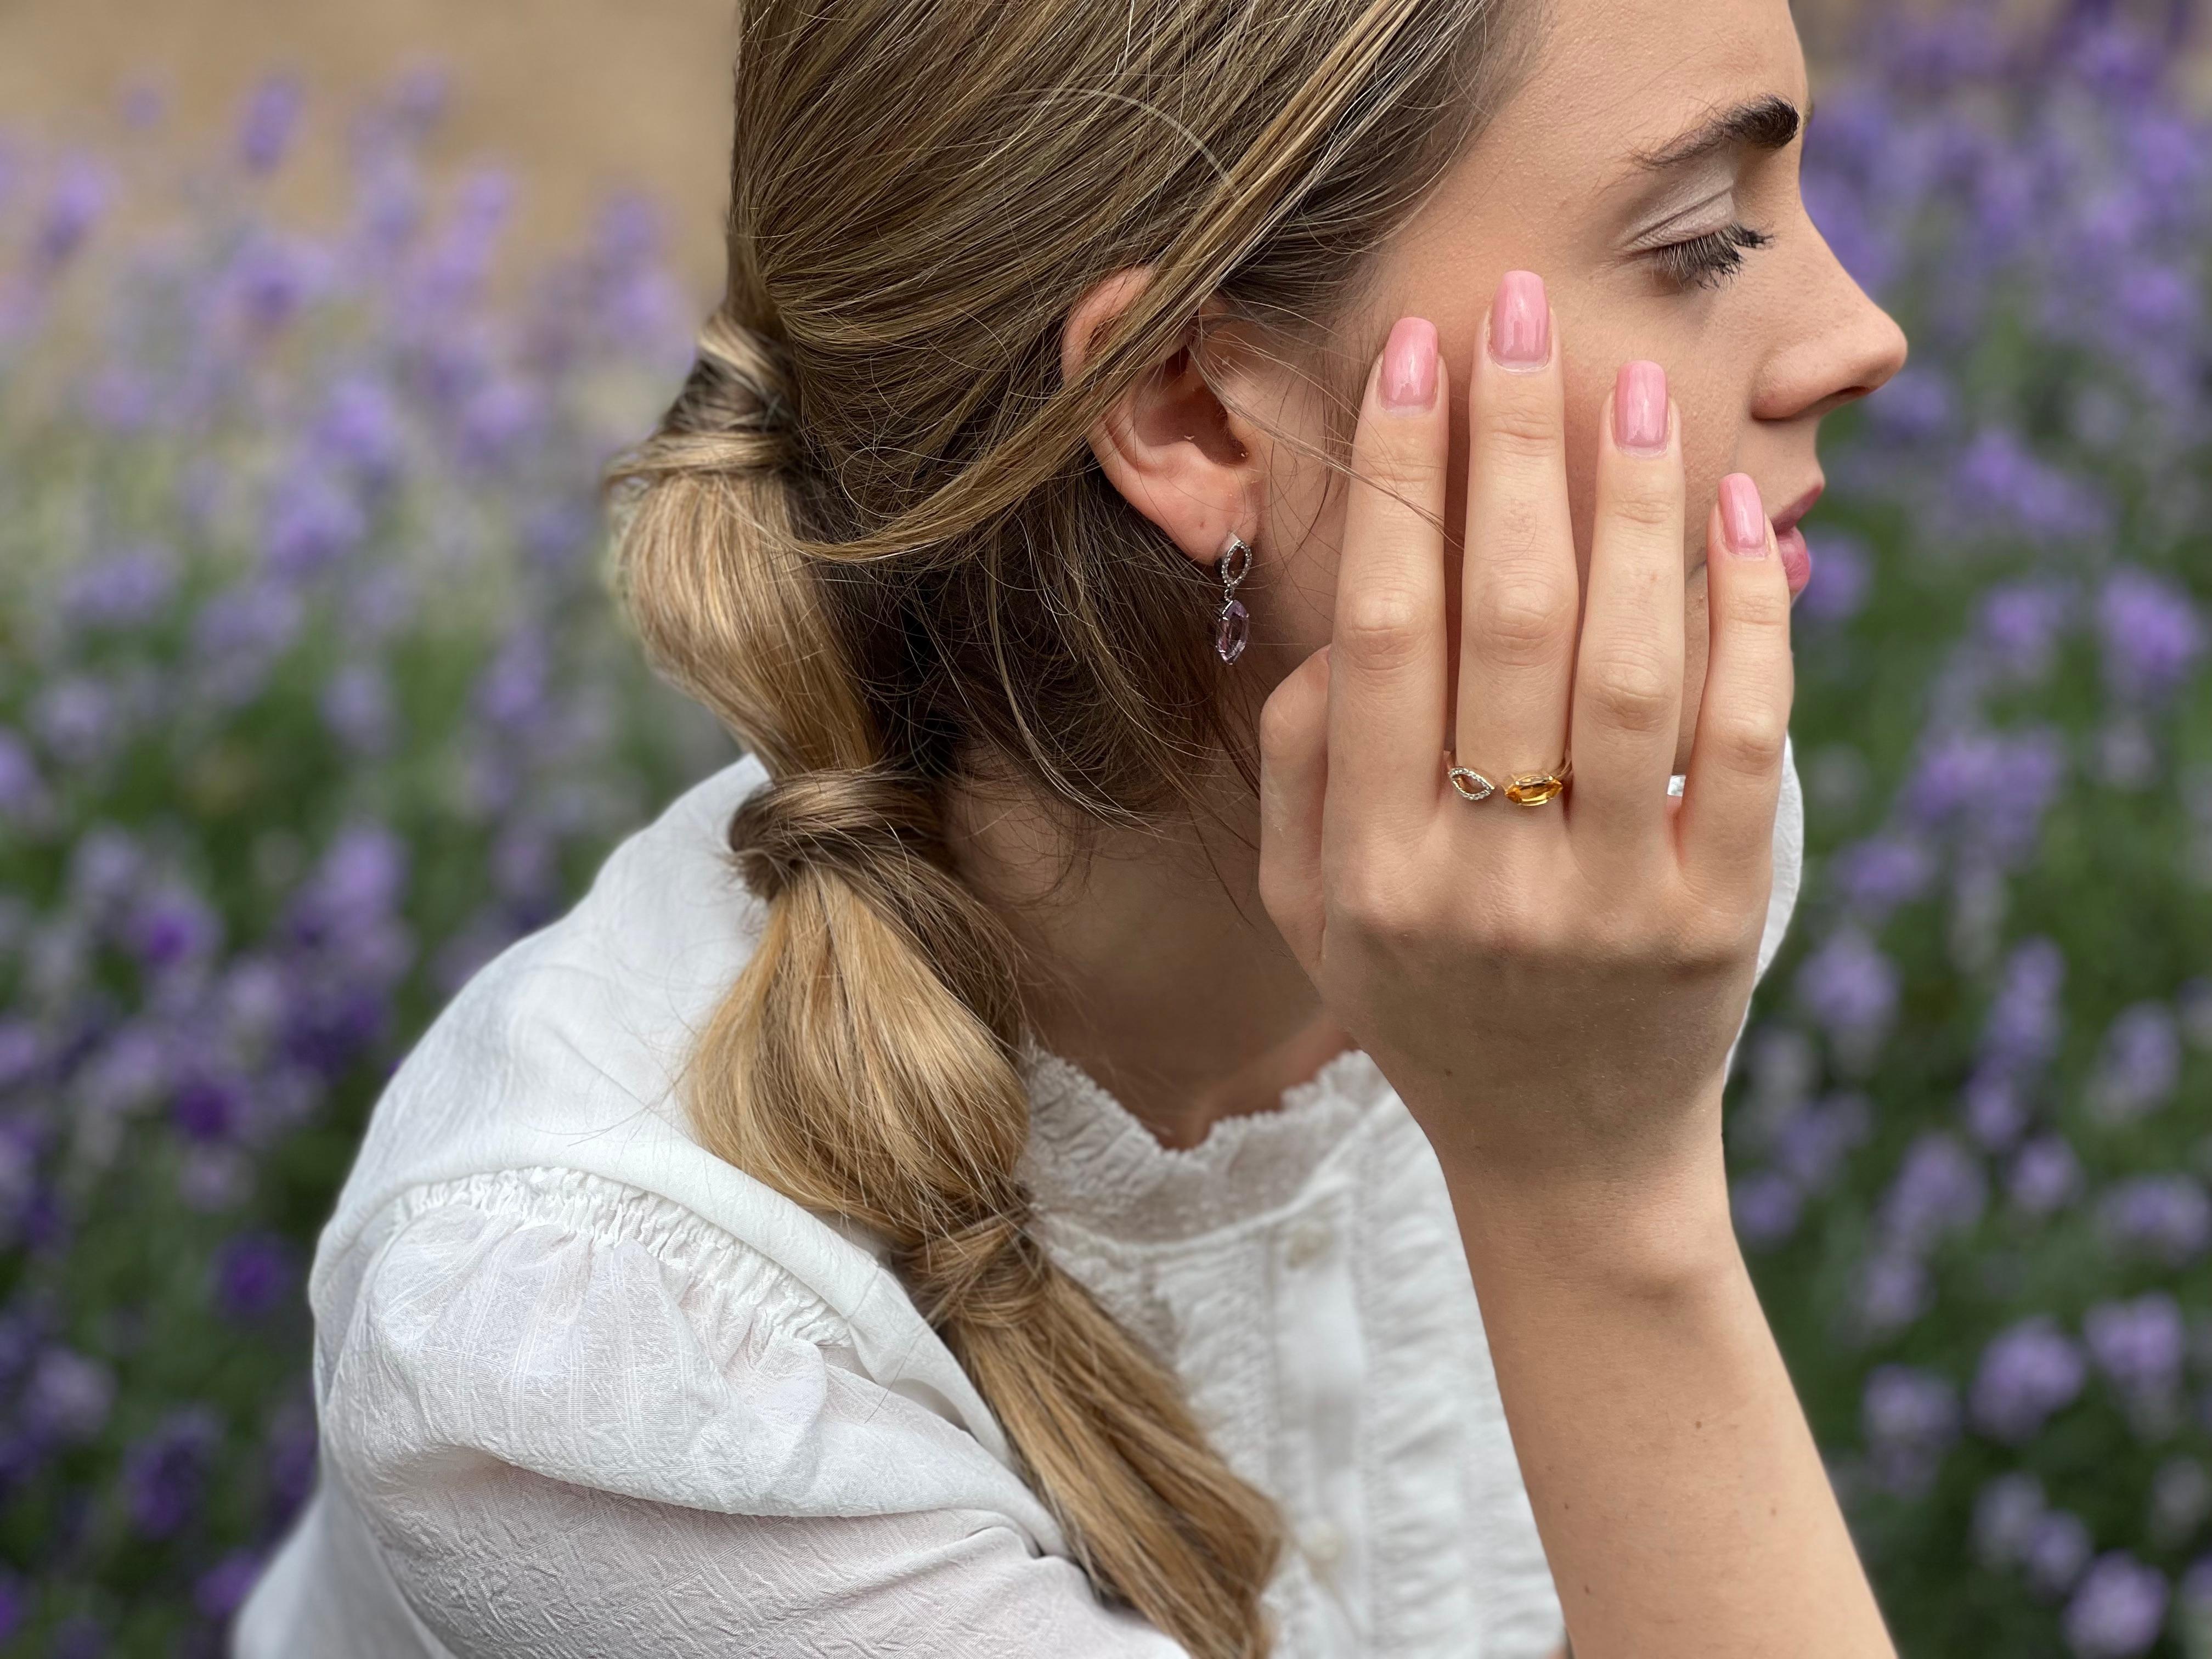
1639, 409
1743, 516
1409, 366
1521, 322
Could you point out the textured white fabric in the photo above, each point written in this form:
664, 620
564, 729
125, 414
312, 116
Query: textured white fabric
585, 1389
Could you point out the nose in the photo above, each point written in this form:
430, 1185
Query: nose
1840, 344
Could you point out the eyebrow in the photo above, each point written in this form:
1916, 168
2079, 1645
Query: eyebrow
1768, 123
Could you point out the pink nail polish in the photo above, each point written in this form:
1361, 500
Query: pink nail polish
1639, 409
1743, 516
1409, 366
1521, 322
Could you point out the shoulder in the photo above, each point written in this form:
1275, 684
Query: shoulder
575, 1034
549, 1321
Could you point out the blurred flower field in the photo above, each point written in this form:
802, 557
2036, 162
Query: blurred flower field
311, 699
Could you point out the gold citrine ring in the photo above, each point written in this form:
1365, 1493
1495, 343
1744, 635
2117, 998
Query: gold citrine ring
1524, 788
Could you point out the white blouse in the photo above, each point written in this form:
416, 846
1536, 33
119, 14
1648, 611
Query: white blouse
583, 1388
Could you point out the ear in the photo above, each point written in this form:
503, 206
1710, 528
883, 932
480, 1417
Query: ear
1179, 455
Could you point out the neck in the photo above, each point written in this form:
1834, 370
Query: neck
1156, 968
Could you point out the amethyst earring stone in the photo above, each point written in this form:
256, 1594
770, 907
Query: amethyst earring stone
1232, 627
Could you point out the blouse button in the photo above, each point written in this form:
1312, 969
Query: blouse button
1309, 1242
1323, 1545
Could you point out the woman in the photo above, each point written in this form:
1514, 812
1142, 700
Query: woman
1167, 491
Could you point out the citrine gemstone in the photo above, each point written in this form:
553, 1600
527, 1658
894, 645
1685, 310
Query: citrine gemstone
1533, 789
1233, 631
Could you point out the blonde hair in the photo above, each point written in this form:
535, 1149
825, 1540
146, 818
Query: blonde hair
869, 535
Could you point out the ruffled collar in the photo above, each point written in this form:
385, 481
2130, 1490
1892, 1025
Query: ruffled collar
1091, 1164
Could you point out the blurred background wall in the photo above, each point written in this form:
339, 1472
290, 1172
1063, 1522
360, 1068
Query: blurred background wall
575, 96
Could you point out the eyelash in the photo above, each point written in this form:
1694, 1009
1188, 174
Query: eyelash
1711, 259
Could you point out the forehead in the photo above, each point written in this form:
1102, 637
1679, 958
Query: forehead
1611, 78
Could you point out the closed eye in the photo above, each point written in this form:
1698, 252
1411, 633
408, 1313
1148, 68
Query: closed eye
1709, 260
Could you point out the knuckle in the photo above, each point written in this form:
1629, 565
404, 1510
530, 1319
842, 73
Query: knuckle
1761, 605
1401, 472
1647, 506
1750, 740
1632, 691
1518, 430
1522, 618
1369, 903
1381, 628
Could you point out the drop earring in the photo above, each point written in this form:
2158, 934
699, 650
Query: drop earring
1232, 629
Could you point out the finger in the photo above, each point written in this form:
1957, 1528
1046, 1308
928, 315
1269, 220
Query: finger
1387, 669
1628, 672
1293, 785
1727, 820
1519, 588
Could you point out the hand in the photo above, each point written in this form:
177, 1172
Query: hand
1552, 989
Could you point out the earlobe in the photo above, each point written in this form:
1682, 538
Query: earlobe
1171, 446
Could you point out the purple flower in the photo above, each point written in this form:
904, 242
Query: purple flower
356, 705
2000, 480
2027, 1372
1849, 987
273, 277
2152, 635
171, 926
1995, 1113
1893, 1291
1909, 1419
2005, 1514
2024, 1025
2165, 1218
68, 1396
2046, 1176
1766, 1207
79, 196
361, 430
164, 1475
223, 1588
1991, 788
252, 1274
1843, 576
513, 691
209, 1107
1812, 1142
359, 881
313, 521
1877, 875
1916, 406
272, 114
239, 636
2141, 1063
2119, 1610
2057, 1546
23, 794
124, 590
2138, 1344
77, 720
2020, 624
104, 868
1940, 1188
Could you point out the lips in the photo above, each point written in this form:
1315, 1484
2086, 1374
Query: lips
1790, 540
